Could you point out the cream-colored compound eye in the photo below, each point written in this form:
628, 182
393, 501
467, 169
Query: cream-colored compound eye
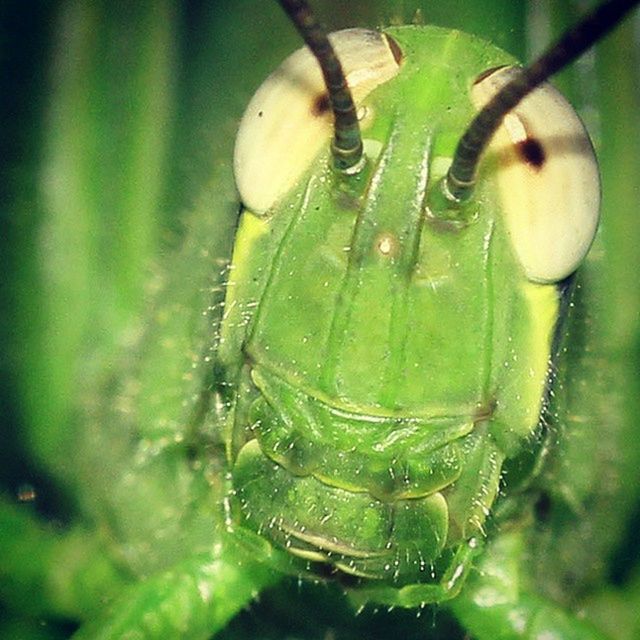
289, 118
548, 179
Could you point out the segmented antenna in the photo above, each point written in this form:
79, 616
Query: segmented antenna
460, 179
347, 141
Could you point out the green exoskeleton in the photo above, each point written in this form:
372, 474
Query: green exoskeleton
395, 353
398, 347
397, 389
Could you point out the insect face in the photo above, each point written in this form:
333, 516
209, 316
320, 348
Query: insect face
393, 358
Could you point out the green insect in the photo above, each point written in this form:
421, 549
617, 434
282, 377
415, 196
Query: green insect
399, 391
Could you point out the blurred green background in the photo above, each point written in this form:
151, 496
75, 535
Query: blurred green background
117, 126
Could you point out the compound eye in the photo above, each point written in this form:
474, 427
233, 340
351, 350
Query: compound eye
289, 118
548, 179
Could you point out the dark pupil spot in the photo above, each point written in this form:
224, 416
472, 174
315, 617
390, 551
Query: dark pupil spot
321, 105
531, 152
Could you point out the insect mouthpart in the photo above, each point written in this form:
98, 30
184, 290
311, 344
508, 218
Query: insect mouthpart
373, 496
